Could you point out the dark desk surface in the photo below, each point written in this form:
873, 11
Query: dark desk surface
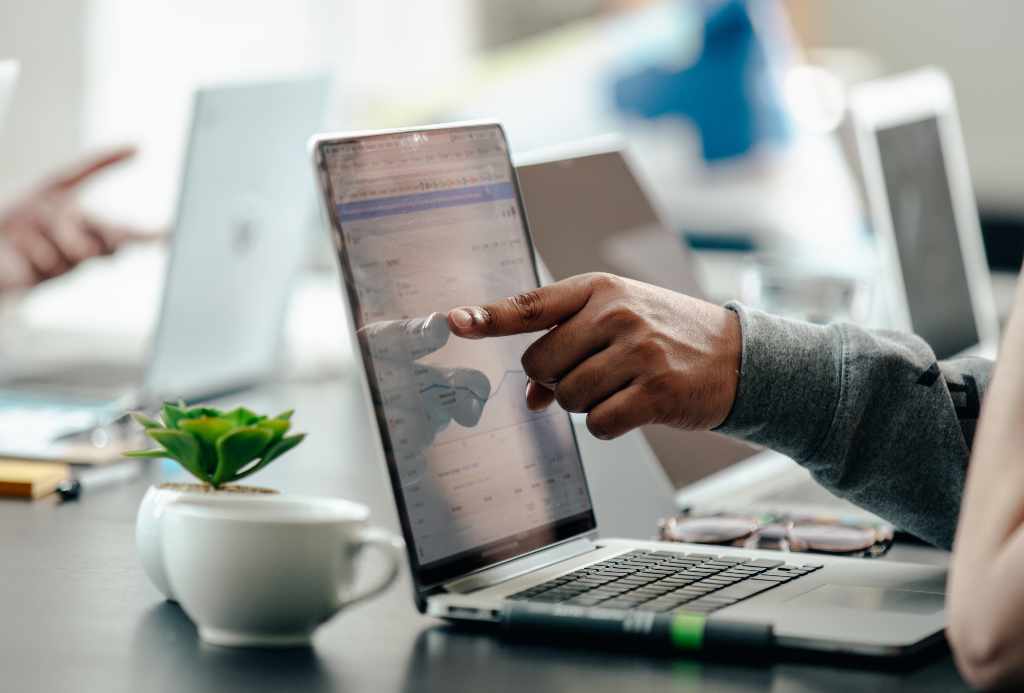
77, 613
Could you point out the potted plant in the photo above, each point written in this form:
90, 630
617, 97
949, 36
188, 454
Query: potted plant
217, 448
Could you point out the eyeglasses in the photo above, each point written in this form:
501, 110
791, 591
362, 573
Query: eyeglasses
781, 532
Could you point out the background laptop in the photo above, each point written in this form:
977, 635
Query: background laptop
8, 81
922, 209
492, 498
589, 213
934, 274
239, 239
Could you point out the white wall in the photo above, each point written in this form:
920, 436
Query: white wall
43, 126
103, 72
978, 43
145, 58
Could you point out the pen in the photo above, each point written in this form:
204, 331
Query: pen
89, 479
681, 631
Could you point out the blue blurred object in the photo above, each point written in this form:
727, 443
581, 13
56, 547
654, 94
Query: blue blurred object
728, 92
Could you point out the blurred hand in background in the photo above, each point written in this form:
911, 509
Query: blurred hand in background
45, 233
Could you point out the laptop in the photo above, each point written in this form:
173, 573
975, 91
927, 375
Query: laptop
590, 212
492, 498
8, 81
239, 240
934, 275
922, 209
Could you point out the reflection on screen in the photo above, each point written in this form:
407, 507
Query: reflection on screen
430, 221
926, 234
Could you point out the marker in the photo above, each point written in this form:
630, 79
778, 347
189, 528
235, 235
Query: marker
681, 631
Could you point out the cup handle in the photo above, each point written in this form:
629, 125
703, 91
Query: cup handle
393, 548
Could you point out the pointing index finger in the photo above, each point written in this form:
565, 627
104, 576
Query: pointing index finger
81, 171
531, 311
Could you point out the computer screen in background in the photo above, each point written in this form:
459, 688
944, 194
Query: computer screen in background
926, 234
8, 80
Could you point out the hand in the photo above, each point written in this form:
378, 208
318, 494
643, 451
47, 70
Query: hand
625, 352
45, 233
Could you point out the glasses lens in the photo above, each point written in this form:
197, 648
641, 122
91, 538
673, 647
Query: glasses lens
834, 538
709, 530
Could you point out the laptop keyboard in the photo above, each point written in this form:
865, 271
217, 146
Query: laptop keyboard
666, 581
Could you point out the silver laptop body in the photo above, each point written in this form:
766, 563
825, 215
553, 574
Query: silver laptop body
934, 274
589, 213
415, 212
240, 237
921, 202
8, 81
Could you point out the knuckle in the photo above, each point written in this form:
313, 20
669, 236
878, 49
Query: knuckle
603, 281
527, 307
618, 318
485, 318
659, 385
653, 353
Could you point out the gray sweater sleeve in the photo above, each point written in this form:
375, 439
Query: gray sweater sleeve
872, 414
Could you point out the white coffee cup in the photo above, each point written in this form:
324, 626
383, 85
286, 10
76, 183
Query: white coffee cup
266, 573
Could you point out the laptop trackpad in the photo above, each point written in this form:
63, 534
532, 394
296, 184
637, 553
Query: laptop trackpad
865, 598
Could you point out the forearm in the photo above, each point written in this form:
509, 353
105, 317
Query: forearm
870, 414
986, 595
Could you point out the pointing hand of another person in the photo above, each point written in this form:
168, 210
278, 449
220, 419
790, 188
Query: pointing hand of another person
45, 233
624, 352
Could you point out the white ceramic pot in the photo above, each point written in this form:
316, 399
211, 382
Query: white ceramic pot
148, 523
267, 572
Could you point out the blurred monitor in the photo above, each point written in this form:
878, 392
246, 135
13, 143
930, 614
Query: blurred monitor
923, 211
8, 80
589, 212
238, 242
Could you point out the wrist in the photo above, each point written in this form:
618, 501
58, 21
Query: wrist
729, 354
788, 385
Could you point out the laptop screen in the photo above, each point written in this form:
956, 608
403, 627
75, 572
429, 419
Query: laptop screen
589, 213
430, 220
927, 238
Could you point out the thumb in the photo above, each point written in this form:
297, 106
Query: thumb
534, 310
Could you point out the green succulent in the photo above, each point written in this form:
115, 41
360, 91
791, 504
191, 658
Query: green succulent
215, 446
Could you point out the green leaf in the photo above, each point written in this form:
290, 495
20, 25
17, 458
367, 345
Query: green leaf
237, 449
200, 412
208, 429
182, 447
276, 427
152, 454
145, 421
242, 416
286, 415
171, 414
280, 448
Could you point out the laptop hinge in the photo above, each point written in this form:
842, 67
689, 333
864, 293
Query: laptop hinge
519, 566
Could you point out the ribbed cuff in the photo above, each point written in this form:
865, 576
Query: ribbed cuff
790, 382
